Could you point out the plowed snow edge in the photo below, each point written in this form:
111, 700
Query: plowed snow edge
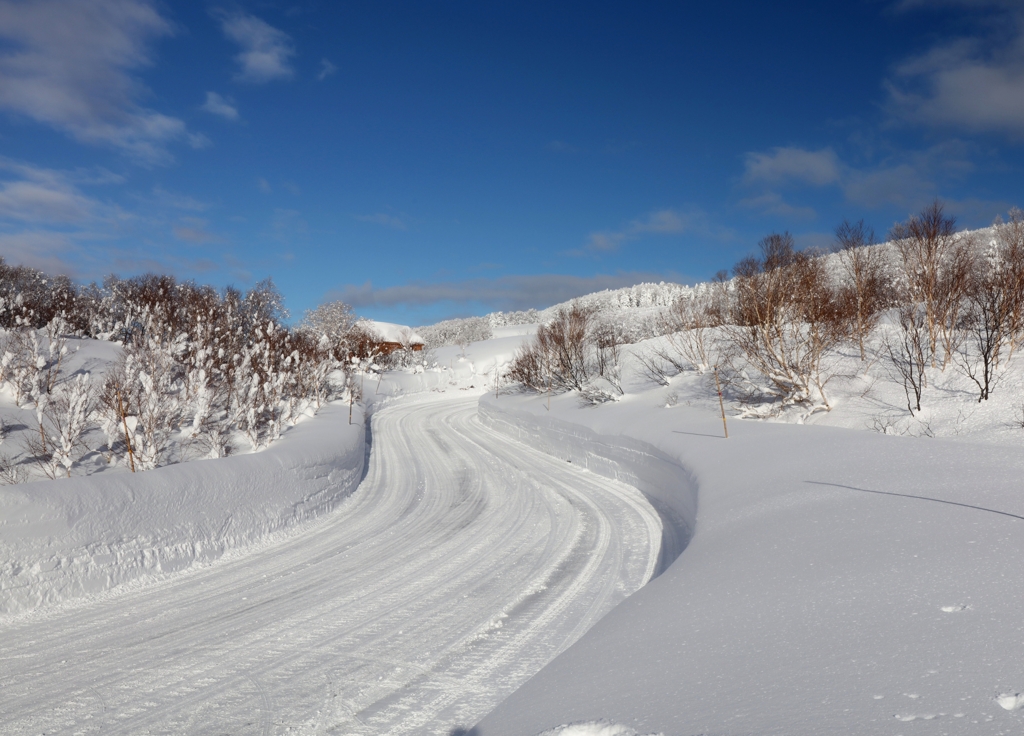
64, 539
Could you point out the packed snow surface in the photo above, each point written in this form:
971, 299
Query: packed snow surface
461, 564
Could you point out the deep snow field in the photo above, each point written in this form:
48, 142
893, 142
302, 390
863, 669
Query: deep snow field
853, 571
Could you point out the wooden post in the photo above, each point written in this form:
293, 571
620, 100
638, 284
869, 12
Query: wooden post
721, 404
127, 438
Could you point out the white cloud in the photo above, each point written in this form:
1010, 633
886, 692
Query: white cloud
217, 105
772, 203
43, 196
165, 199
974, 84
195, 230
792, 164
326, 69
198, 141
266, 51
908, 180
664, 222
69, 65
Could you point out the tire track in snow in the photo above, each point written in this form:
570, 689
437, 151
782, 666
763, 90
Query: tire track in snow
463, 564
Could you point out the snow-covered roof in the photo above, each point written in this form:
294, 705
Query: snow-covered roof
391, 332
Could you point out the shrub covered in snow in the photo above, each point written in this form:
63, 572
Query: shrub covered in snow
199, 370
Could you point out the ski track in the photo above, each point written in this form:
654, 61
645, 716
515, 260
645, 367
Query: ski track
462, 564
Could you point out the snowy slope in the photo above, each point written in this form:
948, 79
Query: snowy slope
837, 582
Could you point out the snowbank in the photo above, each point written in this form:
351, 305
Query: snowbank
671, 489
73, 537
592, 728
837, 581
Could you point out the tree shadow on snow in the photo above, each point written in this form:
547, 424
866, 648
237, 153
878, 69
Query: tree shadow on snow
920, 498
699, 434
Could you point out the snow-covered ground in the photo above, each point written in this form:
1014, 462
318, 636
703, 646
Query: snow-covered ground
851, 571
838, 581
461, 565
867, 395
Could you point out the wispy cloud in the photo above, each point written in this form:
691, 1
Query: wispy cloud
69, 65
263, 185
223, 107
973, 83
194, 230
287, 226
175, 200
663, 222
561, 147
48, 222
383, 218
786, 164
42, 196
51, 252
326, 69
908, 179
512, 292
772, 203
45, 218
266, 51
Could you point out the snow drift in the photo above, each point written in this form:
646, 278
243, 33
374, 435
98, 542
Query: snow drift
74, 537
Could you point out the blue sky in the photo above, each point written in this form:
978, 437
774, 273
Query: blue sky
423, 160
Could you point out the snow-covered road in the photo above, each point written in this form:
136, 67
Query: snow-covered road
462, 564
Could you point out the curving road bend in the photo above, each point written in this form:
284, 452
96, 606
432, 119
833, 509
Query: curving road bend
462, 564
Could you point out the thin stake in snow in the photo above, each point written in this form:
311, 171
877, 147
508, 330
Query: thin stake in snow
721, 403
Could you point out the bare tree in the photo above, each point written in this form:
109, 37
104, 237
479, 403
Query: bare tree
689, 325
1009, 242
564, 353
935, 268
907, 351
864, 288
785, 318
992, 310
